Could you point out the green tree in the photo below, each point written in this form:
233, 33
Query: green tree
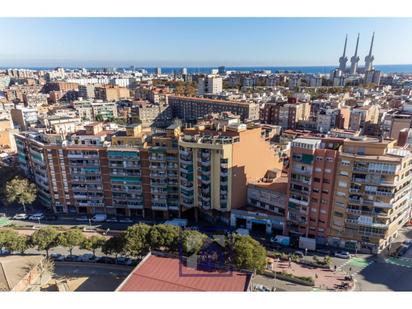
7, 173
136, 242
93, 243
192, 241
45, 238
164, 237
114, 245
21, 244
20, 190
70, 239
7, 238
248, 253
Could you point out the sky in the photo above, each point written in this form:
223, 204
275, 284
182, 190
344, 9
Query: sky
196, 42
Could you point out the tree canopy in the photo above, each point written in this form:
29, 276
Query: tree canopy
164, 237
136, 241
45, 238
248, 253
70, 239
93, 243
192, 241
114, 245
20, 190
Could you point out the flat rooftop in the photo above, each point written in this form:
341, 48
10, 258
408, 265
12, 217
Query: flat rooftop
157, 273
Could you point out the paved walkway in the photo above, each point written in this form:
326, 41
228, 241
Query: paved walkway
325, 279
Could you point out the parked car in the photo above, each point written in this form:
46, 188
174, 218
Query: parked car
261, 288
343, 254
51, 217
57, 257
82, 219
299, 254
112, 219
86, 257
402, 250
107, 260
72, 258
4, 251
20, 217
37, 216
125, 220
99, 218
123, 261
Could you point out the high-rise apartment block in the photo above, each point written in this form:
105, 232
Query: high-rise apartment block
190, 109
217, 161
209, 85
312, 172
372, 194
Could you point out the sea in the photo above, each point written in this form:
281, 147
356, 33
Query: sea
389, 68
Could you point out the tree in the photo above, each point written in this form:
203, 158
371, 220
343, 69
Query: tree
7, 238
45, 239
136, 241
21, 244
192, 241
164, 236
248, 253
7, 173
70, 239
93, 243
114, 245
20, 190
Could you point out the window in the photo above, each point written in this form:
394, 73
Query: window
316, 179
338, 193
343, 173
345, 163
318, 169
328, 170
342, 184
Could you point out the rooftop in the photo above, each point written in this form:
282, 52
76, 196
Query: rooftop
157, 273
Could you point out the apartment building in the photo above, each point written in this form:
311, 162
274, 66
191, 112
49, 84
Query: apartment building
95, 110
372, 194
111, 93
189, 109
312, 168
24, 117
285, 114
216, 162
209, 85
91, 175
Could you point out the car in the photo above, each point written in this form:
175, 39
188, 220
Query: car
261, 288
4, 251
124, 261
112, 219
299, 254
99, 218
57, 257
407, 242
125, 220
107, 260
51, 217
86, 257
82, 219
72, 258
343, 254
402, 250
37, 216
20, 217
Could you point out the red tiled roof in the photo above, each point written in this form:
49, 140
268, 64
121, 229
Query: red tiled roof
164, 274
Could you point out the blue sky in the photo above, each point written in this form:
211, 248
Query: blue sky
199, 41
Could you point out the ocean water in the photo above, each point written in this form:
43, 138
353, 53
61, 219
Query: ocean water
390, 68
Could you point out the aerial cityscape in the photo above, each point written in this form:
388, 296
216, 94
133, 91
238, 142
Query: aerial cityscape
207, 177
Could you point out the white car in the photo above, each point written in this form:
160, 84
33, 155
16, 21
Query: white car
99, 218
21, 217
343, 255
38, 216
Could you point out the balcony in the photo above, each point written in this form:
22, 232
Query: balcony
353, 211
157, 167
299, 202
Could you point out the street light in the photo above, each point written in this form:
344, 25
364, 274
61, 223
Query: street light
90, 223
274, 277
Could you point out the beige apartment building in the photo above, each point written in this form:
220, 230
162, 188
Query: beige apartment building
372, 194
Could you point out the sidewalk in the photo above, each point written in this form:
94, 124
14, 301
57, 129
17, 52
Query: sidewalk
325, 279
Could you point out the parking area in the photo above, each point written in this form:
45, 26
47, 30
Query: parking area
86, 277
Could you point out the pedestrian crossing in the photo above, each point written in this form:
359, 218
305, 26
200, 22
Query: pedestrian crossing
403, 262
358, 265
